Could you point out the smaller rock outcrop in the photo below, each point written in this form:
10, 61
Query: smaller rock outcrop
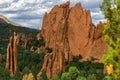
0, 58
39, 36
11, 57
23, 40
53, 64
98, 46
99, 30
40, 49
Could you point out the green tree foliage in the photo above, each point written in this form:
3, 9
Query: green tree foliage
17, 75
75, 74
109, 77
30, 62
86, 68
81, 78
49, 50
26, 70
55, 78
111, 11
72, 74
92, 77
4, 73
65, 76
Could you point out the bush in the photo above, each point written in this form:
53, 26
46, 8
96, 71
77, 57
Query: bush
81, 78
91, 77
65, 76
109, 77
28, 77
26, 70
55, 78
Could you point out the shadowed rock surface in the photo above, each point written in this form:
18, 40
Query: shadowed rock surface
0, 58
70, 32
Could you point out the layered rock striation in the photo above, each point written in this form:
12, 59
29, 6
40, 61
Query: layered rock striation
11, 57
70, 32
56, 37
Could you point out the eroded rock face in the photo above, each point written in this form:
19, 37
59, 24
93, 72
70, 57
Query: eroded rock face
54, 33
80, 31
99, 46
0, 58
70, 32
11, 57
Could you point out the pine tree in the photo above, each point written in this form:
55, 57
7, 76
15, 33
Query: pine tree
111, 11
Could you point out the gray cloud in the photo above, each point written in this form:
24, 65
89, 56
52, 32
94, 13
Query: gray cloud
4, 5
27, 17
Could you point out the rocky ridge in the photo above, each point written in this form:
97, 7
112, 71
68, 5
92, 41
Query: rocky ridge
4, 20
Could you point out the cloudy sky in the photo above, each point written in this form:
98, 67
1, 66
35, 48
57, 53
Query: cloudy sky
30, 13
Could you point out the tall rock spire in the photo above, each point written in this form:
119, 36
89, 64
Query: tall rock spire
11, 57
0, 58
57, 26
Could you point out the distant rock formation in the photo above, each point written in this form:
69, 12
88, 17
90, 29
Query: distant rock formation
11, 57
23, 40
4, 20
0, 58
70, 32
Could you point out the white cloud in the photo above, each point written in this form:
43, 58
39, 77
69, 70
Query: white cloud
5, 1
30, 12
10, 15
35, 23
98, 14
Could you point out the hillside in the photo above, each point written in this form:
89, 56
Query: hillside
4, 20
7, 30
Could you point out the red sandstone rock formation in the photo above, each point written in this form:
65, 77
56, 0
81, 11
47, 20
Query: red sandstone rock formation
40, 49
98, 46
0, 58
39, 36
11, 57
55, 35
23, 39
70, 32
80, 31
